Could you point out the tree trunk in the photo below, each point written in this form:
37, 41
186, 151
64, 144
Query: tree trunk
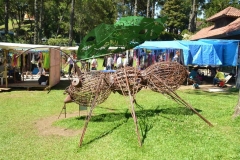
41, 21
148, 4
135, 8
36, 22
71, 23
237, 108
192, 17
153, 8
6, 18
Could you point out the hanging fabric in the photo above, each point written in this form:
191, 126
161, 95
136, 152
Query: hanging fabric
46, 60
15, 60
33, 59
19, 61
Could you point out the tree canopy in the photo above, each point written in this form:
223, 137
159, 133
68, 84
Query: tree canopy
39, 20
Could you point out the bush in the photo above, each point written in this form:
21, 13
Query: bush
59, 41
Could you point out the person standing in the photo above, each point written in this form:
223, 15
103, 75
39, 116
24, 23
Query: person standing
105, 62
130, 61
2, 67
94, 63
70, 63
119, 62
110, 63
176, 56
125, 61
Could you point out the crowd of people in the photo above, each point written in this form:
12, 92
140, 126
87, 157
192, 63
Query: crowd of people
122, 60
117, 61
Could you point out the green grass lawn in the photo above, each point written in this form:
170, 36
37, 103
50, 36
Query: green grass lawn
168, 130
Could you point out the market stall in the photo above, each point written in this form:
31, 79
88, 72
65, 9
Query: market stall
21, 61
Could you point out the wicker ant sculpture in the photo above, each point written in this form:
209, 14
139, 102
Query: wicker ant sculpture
92, 88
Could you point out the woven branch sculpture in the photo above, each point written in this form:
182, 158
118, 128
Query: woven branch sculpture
93, 88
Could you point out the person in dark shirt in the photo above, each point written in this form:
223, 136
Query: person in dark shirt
130, 61
42, 79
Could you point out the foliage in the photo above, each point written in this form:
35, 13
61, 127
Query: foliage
126, 8
1, 13
58, 41
214, 6
90, 13
168, 130
166, 36
186, 35
176, 13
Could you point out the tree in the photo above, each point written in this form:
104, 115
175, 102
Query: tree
148, 5
212, 7
36, 24
192, 17
71, 23
153, 8
177, 14
135, 8
6, 17
90, 14
41, 10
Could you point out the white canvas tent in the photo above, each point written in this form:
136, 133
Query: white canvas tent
55, 61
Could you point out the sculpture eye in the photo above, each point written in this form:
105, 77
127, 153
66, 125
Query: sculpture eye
76, 82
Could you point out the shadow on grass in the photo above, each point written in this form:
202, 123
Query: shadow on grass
211, 94
111, 117
120, 116
62, 85
144, 122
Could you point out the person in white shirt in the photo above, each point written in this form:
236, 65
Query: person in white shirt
110, 63
125, 62
70, 62
94, 63
119, 62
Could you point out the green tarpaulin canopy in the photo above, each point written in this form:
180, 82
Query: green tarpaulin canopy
125, 34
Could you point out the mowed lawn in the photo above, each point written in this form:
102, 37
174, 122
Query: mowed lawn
168, 130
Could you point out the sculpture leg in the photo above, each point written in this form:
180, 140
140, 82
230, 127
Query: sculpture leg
177, 98
91, 110
68, 99
135, 119
86, 123
63, 108
132, 109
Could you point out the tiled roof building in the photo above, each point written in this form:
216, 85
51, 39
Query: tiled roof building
226, 25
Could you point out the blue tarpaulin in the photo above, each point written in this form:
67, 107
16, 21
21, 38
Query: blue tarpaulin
226, 49
201, 52
162, 45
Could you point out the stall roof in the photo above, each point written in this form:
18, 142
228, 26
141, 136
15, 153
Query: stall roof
76, 48
202, 52
162, 45
69, 48
19, 46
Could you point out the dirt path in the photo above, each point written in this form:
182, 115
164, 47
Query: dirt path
45, 127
